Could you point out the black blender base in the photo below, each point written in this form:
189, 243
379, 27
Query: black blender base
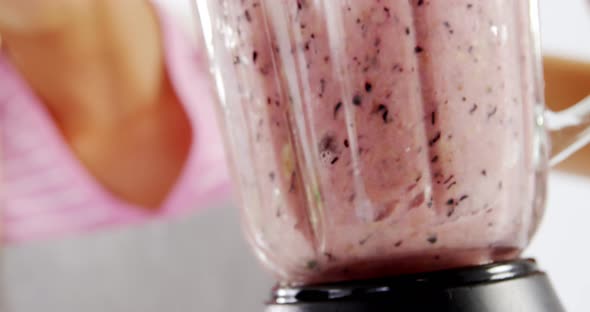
516, 286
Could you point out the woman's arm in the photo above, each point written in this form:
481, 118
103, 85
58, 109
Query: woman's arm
568, 82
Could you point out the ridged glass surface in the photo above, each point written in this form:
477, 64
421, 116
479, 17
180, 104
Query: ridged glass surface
370, 138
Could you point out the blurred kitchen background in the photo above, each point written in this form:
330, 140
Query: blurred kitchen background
209, 268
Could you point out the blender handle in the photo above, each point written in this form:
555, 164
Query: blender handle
569, 130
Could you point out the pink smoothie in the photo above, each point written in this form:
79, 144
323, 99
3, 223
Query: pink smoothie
378, 137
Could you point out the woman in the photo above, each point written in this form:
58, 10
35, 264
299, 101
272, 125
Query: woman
106, 118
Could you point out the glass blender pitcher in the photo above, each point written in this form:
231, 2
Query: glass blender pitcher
387, 149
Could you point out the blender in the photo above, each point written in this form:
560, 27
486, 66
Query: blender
389, 154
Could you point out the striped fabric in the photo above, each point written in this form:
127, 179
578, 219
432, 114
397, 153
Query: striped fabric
47, 193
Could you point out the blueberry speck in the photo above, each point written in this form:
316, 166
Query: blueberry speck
432, 239
357, 100
433, 118
368, 86
365, 240
322, 86
418, 178
449, 179
384, 116
384, 112
327, 144
484, 173
451, 185
255, 56
408, 31
399, 243
420, 2
337, 108
493, 112
451, 212
329, 256
435, 139
346, 144
311, 264
334, 161
448, 26
293, 185
418, 49
377, 42
469, 6
450, 202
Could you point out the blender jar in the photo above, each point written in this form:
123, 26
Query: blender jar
374, 138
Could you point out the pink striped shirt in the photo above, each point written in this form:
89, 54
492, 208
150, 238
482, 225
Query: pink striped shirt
48, 193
